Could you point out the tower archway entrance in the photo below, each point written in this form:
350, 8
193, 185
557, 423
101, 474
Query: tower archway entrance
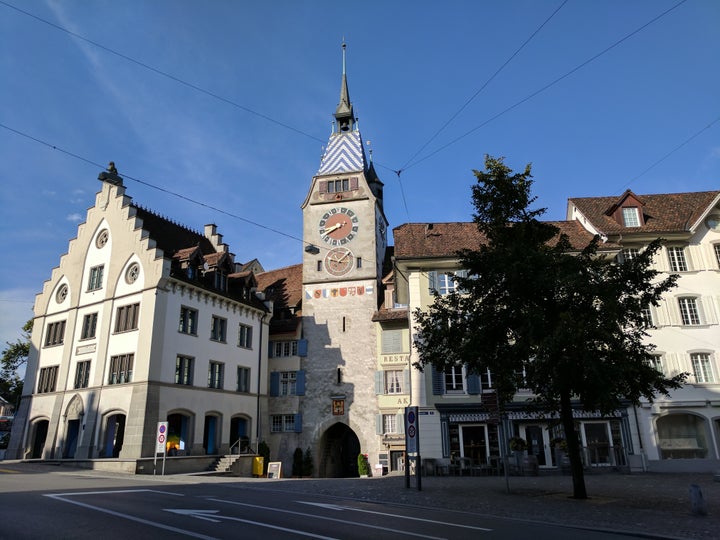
340, 449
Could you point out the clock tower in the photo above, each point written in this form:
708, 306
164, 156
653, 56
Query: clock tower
345, 239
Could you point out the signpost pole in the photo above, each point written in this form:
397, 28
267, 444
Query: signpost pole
412, 434
160, 445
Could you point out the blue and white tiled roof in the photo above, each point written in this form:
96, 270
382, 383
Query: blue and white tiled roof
344, 153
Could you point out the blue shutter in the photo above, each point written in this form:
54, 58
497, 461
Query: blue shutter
302, 348
473, 383
275, 383
379, 383
438, 380
298, 423
300, 382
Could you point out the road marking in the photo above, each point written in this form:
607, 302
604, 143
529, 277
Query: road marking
315, 516
9, 471
400, 516
61, 497
216, 518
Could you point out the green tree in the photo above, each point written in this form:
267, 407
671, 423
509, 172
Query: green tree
14, 356
563, 321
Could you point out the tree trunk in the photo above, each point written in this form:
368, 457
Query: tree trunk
573, 447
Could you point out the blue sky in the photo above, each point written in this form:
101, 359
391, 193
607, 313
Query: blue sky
273, 69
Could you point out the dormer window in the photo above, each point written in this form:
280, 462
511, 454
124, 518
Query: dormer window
631, 216
220, 280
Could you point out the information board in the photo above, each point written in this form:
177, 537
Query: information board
274, 468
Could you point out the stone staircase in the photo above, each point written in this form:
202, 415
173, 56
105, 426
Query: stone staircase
223, 463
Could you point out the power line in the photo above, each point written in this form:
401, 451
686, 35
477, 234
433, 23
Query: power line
167, 191
472, 98
671, 152
549, 85
164, 73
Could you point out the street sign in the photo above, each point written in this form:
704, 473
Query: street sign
161, 438
411, 430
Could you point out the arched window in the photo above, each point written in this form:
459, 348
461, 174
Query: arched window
682, 435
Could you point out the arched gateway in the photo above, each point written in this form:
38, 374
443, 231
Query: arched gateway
340, 449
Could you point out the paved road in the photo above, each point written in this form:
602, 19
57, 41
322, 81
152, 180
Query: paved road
39, 501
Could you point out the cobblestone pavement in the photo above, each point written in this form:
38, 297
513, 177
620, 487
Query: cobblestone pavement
652, 505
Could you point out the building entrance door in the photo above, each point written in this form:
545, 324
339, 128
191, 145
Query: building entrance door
538, 440
340, 448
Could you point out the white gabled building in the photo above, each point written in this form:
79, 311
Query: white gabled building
680, 432
143, 321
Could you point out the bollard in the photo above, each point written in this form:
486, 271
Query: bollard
697, 503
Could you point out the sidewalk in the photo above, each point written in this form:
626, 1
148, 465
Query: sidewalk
651, 504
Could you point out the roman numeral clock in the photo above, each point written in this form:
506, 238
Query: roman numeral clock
337, 227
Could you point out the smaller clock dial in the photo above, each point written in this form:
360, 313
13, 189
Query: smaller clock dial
339, 261
338, 226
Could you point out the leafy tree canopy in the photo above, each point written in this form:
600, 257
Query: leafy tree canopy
563, 321
13, 357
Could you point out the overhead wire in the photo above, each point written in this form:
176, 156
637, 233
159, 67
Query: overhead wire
168, 191
671, 152
547, 86
485, 84
163, 73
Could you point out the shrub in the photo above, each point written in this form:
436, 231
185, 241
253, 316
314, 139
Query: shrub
518, 444
264, 451
363, 465
297, 464
307, 465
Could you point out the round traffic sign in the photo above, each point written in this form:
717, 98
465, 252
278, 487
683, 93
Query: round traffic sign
411, 431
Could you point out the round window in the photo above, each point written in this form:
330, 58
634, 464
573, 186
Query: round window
133, 272
102, 238
61, 294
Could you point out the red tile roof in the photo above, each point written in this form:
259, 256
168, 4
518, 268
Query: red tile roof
439, 240
283, 286
663, 213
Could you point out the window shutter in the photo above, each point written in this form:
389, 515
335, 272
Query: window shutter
437, 382
379, 424
432, 281
302, 347
379, 382
400, 423
702, 311
271, 348
298, 423
406, 381
353, 183
275, 383
473, 383
392, 341
300, 382
323, 186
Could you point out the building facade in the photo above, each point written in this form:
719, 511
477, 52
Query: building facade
681, 431
143, 321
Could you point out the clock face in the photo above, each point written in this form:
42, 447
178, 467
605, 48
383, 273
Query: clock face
338, 226
339, 261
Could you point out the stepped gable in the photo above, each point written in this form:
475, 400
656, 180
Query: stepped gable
172, 237
429, 240
663, 213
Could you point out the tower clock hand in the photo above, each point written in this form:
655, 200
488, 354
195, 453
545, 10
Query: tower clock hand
336, 226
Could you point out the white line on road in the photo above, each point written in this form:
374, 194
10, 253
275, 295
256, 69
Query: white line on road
399, 516
61, 497
206, 515
315, 516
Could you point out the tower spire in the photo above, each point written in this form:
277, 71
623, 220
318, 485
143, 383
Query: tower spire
344, 112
